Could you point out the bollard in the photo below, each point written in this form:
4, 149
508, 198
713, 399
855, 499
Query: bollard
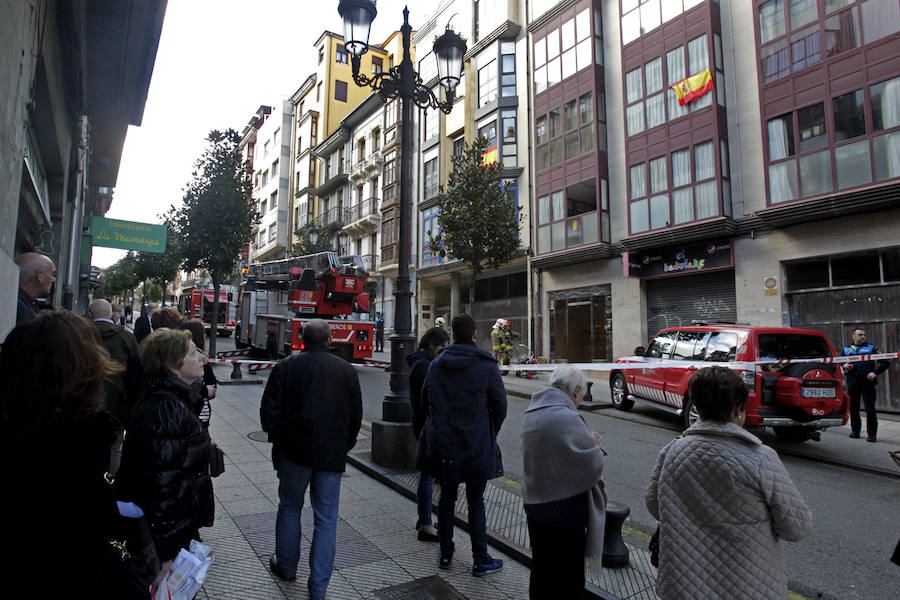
615, 552
588, 397
236, 372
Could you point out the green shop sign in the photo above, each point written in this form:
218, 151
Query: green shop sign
128, 235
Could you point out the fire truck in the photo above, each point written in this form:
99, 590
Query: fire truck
281, 296
197, 303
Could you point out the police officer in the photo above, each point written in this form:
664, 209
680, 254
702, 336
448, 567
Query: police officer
861, 378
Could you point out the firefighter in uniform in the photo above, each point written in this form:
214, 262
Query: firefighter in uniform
861, 379
497, 342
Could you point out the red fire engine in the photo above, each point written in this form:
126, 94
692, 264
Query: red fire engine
281, 296
197, 303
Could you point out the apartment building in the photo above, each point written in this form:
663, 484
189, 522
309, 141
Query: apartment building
492, 100
266, 144
767, 196
305, 124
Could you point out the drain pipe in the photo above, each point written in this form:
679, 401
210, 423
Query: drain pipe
73, 267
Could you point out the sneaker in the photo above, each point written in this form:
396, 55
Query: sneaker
853, 434
489, 566
871, 438
276, 570
444, 561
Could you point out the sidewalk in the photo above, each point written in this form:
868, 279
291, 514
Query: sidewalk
377, 552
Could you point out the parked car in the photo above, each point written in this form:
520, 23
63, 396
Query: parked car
796, 400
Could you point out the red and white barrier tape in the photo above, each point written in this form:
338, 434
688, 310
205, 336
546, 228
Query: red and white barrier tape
638, 362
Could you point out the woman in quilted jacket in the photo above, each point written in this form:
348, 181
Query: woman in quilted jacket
724, 501
165, 458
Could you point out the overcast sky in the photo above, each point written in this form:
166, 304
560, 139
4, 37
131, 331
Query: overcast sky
218, 61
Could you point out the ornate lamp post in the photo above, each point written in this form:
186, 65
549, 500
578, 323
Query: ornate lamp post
392, 441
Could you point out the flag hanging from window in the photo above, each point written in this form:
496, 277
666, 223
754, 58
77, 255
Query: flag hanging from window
693, 87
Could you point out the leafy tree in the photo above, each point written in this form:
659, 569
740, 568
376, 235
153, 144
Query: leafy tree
118, 279
218, 215
304, 245
478, 223
162, 267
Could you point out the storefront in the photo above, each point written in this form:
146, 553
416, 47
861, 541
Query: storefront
837, 294
686, 284
581, 324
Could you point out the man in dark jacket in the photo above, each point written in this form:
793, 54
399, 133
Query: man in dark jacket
312, 410
465, 403
142, 325
861, 379
36, 276
121, 389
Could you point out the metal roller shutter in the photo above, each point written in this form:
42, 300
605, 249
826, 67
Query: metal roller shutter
676, 301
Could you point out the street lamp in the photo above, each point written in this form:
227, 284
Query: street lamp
313, 233
343, 239
392, 441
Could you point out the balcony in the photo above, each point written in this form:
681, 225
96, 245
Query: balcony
370, 262
363, 218
367, 168
332, 178
329, 218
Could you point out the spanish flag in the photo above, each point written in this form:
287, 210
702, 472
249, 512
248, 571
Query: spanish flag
693, 87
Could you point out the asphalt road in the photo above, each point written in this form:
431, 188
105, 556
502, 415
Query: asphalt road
846, 557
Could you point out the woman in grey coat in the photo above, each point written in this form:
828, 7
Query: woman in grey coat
563, 494
723, 500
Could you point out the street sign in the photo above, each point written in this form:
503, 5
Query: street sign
128, 235
95, 272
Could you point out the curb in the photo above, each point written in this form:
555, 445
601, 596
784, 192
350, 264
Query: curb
519, 554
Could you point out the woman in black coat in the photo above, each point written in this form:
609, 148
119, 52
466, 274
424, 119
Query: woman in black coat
59, 511
165, 458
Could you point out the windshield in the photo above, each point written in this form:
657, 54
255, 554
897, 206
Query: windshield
780, 346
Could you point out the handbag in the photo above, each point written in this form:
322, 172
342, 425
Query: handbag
216, 460
654, 548
131, 558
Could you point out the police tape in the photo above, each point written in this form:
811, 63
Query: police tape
634, 362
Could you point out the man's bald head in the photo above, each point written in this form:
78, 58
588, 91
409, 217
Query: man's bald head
36, 273
100, 309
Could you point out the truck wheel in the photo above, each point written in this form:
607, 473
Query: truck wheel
619, 391
792, 434
690, 414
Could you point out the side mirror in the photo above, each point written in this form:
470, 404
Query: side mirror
639, 351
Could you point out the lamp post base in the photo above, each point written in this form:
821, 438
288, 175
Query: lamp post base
393, 445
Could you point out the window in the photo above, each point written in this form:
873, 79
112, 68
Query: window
273, 200
508, 131
722, 346
661, 346
340, 90
430, 225
273, 232
771, 20
487, 83
489, 132
390, 168
690, 345
341, 54
376, 139
849, 116
507, 69
459, 146
275, 168
321, 55
319, 90
431, 117
432, 178
880, 18
812, 127
377, 65
265, 178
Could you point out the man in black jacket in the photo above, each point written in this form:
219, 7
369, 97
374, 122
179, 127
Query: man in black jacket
121, 389
142, 325
312, 410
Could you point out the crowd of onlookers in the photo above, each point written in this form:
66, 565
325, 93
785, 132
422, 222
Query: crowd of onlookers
94, 417
94, 420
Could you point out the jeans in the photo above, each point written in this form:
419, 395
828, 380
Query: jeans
477, 523
424, 492
324, 495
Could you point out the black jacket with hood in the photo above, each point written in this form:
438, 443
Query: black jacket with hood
465, 404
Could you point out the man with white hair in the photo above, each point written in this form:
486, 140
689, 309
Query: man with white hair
121, 389
36, 276
312, 411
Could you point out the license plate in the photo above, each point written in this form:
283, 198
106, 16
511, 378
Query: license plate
818, 392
